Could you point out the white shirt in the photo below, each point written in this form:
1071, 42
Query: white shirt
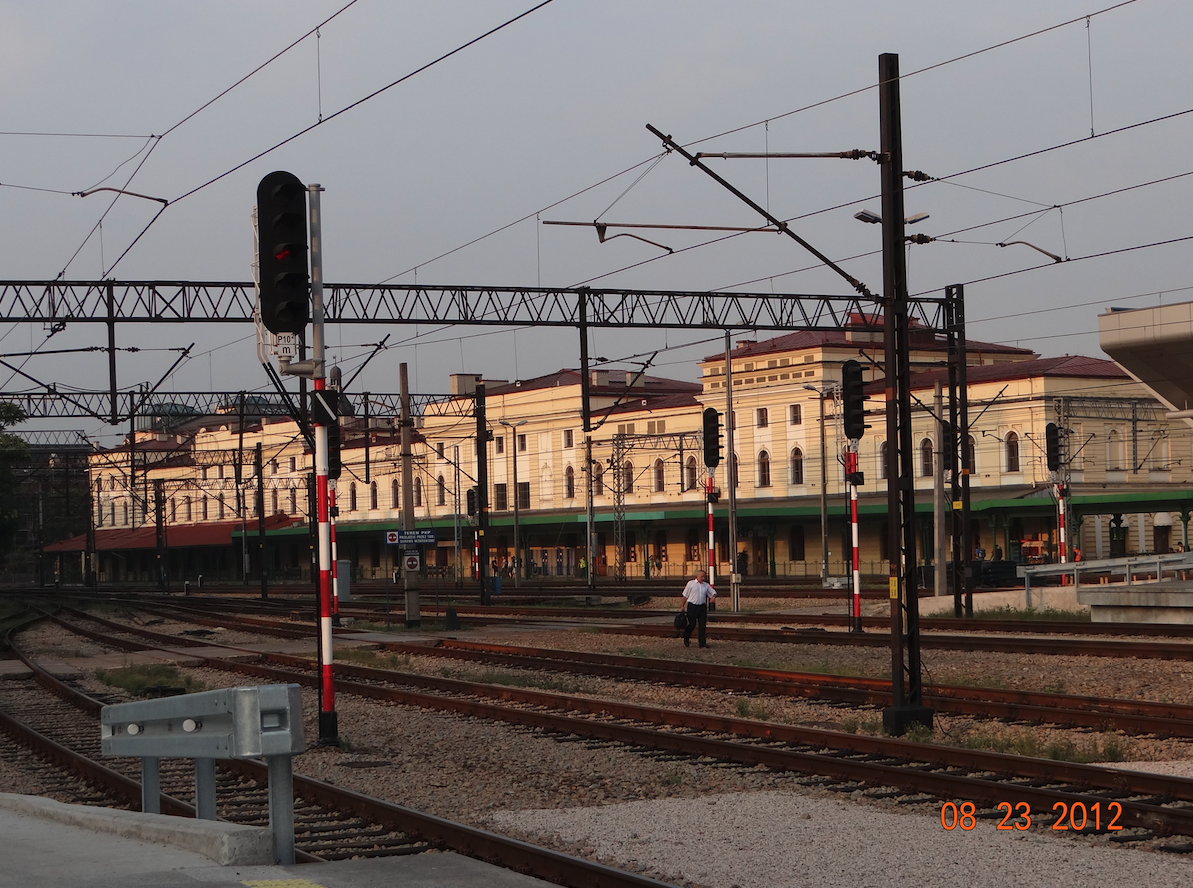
696, 592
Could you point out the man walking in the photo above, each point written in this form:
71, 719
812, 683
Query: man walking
696, 596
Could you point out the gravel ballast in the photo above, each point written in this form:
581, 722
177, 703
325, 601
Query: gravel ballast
698, 823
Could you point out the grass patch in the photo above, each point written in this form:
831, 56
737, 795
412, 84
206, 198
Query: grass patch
1109, 749
135, 679
512, 680
673, 778
1006, 612
748, 709
397, 625
373, 658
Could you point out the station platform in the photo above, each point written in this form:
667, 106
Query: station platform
46, 846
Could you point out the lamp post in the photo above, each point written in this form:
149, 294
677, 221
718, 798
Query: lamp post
820, 393
517, 547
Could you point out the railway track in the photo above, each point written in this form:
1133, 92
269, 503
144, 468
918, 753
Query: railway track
61, 723
1064, 710
1146, 804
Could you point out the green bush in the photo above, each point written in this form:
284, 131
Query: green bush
135, 679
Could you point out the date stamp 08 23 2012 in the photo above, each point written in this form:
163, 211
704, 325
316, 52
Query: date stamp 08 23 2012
1017, 816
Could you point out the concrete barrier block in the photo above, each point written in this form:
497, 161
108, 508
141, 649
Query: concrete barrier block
227, 844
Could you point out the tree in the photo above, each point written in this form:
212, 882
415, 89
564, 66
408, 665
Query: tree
13, 452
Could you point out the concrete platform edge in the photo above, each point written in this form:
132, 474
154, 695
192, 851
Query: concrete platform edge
227, 844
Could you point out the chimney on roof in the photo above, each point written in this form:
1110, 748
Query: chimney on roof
600, 378
464, 383
635, 379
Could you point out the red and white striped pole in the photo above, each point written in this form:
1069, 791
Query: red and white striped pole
335, 557
712, 541
328, 721
851, 472
1061, 530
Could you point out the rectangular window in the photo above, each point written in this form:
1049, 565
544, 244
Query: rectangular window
763, 417
439, 449
499, 444
567, 437
797, 414
523, 494
521, 443
500, 500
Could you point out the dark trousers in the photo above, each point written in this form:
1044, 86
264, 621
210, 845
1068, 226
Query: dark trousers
698, 617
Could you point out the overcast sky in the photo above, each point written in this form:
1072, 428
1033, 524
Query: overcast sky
555, 104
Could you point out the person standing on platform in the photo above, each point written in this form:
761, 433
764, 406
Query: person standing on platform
696, 596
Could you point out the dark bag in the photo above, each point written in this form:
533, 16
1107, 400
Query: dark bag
681, 621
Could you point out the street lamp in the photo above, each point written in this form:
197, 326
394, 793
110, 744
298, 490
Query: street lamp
823, 485
517, 547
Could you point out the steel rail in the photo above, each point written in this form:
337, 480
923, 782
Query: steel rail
1163, 719
1147, 814
835, 763
523, 857
1061, 646
1103, 713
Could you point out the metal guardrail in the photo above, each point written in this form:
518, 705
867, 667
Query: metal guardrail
245, 722
1133, 569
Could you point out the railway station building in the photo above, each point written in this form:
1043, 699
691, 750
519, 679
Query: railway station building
1129, 470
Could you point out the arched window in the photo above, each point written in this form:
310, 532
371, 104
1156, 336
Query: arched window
763, 469
173, 510
373, 495
186, 509
972, 448
797, 466
690, 469
660, 477
352, 497
395, 500
926, 458
293, 501
99, 514
440, 491
1115, 461
418, 493
203, 508
884, 455
220, 501
736, 474
273, 501
124, 513
598, 479
627, 477
569, 483
1012, 449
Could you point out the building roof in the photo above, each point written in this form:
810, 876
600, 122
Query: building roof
921, 339
178, 536
1064, 367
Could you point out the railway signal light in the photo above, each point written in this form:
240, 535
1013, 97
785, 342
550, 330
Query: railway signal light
712, 438
948, 446
285, 286
853, 400
334, 463
1052, 446
471, 497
